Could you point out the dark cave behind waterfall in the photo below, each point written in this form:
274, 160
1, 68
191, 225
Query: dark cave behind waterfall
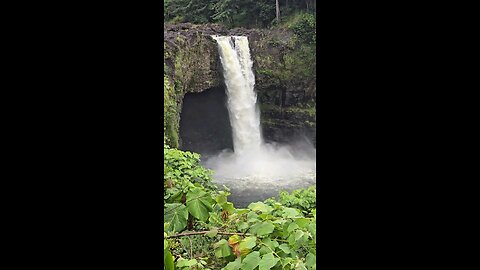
204, 122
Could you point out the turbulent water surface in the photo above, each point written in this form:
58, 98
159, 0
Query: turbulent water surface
254, 170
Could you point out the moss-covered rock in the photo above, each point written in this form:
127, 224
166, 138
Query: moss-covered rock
285, 74
170, 108
190, 65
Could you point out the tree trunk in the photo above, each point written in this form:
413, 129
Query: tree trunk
277, 7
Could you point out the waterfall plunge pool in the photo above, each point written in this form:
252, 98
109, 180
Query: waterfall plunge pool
259, 175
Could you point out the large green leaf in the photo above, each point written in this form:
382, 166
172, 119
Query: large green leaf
241, 211
297, 237
186, 263
268, 261
176, 214
311, 262
312, 229
247, 244
264, 250
242, 226
290, 213
286, 261
222, 249
198, 204
221, 199
284, 248
228, 206
269, 243
263, 228
302, 222
260, 206
252, 217
235, 265
212, 232
251, 261
298, 234
300, 266
165, 244
292, 227
168, 260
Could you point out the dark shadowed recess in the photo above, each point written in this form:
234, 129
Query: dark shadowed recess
204, 122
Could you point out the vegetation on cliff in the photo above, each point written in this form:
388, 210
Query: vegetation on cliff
170, 115
235, 13
286, 57
285, 70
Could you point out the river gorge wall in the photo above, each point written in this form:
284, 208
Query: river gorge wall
284, 70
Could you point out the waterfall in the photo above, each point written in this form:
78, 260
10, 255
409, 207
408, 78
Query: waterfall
255, 169
242, 99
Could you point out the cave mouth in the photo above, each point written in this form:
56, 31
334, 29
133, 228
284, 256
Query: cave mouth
204, 122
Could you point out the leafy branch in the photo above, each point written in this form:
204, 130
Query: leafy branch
192, 199
205, 232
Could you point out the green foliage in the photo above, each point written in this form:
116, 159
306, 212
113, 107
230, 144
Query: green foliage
193, 11
185, 186
260, 207
281, 237
235, 265
222, 249
244, 13
199, 204
168, 259
170, 121
267, 235
264, 228
284, 59
305, 27
231, 13
182, 173
175, 215
181, 263
268, 261
251, 261
301, 199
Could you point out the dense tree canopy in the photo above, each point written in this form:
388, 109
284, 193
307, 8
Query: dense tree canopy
234, 13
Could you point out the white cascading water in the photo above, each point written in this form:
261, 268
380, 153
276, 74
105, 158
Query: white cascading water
255, 170
242, 99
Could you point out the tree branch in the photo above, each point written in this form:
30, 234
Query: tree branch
205, 232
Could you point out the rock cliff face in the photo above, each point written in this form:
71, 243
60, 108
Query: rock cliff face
284, 72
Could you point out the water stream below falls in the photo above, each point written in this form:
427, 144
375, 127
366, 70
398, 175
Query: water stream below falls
255, 170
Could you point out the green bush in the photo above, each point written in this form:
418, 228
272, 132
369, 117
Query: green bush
265, 236
270, 235
305, 27
302, 199
182, 173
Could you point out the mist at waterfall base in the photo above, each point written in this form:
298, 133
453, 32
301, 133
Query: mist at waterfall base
270, 162
262, 173
255, 170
